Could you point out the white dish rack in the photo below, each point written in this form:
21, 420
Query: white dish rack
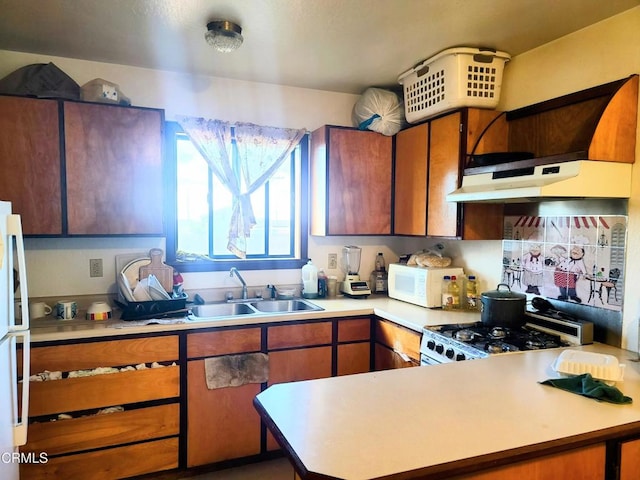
454, 78
600, 366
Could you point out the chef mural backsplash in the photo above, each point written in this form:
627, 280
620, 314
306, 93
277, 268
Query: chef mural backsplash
576, 259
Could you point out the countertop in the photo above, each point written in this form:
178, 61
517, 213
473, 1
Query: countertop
405, 314
426, 420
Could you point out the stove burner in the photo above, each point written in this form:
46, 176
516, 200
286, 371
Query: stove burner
498, 332
494, 348
535, 344
464, 335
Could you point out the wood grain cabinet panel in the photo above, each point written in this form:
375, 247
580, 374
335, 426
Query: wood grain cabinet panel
117, 353
353, 330
223, 342
30, 163
284, 336
630, 460
113, 169
119, 462
222, 423
410, 187
387, 359
98, 391
430, 158
586, 463
351, 182
398, 338
354, 358
91, 432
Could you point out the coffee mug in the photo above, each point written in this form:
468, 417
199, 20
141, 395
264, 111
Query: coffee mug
66, 310
99, 311
39, 310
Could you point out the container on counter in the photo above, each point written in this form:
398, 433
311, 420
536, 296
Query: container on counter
309, 280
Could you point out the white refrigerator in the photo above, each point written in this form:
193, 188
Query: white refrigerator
13, 409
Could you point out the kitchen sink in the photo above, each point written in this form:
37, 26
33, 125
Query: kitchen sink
222, 309
284, 306
260, 307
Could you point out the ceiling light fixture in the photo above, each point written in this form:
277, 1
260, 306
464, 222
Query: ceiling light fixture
224, 36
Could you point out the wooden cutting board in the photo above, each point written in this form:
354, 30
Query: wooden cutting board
163, 272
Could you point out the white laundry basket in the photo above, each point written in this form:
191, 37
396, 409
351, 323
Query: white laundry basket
454, 78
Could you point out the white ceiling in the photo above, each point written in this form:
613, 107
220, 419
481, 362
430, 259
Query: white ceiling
336, 45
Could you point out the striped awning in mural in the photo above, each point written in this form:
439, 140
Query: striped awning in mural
576, 221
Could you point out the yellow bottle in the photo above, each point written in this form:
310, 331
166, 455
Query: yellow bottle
454, 293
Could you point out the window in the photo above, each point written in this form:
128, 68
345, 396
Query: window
199, 210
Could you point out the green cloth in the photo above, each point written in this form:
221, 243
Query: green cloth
588, 386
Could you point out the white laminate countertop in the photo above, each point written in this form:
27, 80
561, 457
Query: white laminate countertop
405, 314
376, 424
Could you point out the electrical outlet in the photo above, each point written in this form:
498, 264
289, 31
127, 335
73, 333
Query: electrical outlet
95, 267
333, 261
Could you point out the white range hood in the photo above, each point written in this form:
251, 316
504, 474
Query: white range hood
564, 180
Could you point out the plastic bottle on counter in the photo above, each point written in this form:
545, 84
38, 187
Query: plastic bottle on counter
379, 279
472, 293
454, 290
309, 280
447, 300
322, 284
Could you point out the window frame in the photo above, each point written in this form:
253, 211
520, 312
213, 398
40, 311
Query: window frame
172, 130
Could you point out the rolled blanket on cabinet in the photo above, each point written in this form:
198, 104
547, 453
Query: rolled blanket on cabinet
236, 370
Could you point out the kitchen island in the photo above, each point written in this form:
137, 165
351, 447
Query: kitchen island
487, 418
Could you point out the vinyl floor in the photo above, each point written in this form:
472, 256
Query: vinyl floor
278, 469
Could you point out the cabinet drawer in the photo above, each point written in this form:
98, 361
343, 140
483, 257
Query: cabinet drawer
117, 462
300, 335
223, 342
299, 364
113, 353
354, 329
88, 433
73, 394
398, 338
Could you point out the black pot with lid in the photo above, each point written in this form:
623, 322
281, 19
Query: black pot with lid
503, 308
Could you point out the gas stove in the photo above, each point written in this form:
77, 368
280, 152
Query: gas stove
458, 342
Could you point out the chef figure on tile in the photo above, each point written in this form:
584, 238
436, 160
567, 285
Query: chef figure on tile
567, 273
532, 265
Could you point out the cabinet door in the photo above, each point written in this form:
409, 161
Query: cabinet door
350, 182
444, 168
452, 138
222, 423
30, 163
629, 460
410, 209
113, 169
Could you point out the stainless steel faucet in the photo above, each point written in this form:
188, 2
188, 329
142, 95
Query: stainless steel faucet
245, 293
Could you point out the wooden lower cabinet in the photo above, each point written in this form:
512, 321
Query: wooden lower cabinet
586, 463
139, 438
221, 423
387, 359
112, 463
354, 346
630, 460
392, 340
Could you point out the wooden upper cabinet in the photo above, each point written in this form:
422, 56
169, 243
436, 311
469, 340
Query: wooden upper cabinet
351, 182
113, 169
430, 158
30, 163
410, 209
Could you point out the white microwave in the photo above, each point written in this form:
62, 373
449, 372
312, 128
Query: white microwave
419, 285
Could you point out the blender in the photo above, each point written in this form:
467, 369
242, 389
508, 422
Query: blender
352, 285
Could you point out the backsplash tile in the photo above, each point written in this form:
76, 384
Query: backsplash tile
578, 259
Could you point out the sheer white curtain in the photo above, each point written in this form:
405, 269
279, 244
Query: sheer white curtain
260, 150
